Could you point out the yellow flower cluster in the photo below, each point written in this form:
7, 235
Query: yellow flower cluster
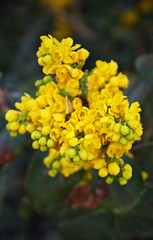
81, 117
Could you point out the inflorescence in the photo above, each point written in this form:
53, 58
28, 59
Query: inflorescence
81, 117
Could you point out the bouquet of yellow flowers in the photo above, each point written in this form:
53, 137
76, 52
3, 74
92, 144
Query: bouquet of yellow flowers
81, 117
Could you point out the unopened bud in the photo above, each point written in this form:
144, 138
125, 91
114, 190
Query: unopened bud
83, 154
77, 160
124, 130
123, 141
122, 181
35, 145
127, 174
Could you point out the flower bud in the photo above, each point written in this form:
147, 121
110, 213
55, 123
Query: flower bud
52, 172
124, 130
133, 124
13, 133
83, 154
30, 127
56, 165
43, 148
109, 180
42, 141
103, 172
50, 143
11, 116
113, 168
39, 54
68, 159
129, 136
14, 126
35, 145
40, 61
38, 83
47, 79
117, 127
127, 174
77, 160
22, 129
123, 141
128, 167
47, 161
122, 181
36, 135
135, 136
71, 153
47, 59
46, 130
8, 126
73, 142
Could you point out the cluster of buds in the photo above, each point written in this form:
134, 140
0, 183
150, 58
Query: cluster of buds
81, 117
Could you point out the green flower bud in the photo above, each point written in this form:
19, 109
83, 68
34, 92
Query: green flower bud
123, 141
38, 83
135, 136
47, 79
37, 94
8, 126
109, 180
39, 54
117, 127
71, 153
129, 136
43, 148
42, 141
35, 145
122, 181
77, 160
127, 174
52, 172
36, 135
68, 159
50, 143
13, 133
124, 130
83, 154
40, 61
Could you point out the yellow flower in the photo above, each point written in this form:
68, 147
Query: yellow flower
73, 142
99, 163
77, 103
55, 134
115, 150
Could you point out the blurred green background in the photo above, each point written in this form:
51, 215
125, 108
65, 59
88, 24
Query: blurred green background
32, 205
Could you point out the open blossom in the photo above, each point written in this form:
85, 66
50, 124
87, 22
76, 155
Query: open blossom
82, 118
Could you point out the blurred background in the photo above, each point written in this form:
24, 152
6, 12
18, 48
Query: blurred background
32, 205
